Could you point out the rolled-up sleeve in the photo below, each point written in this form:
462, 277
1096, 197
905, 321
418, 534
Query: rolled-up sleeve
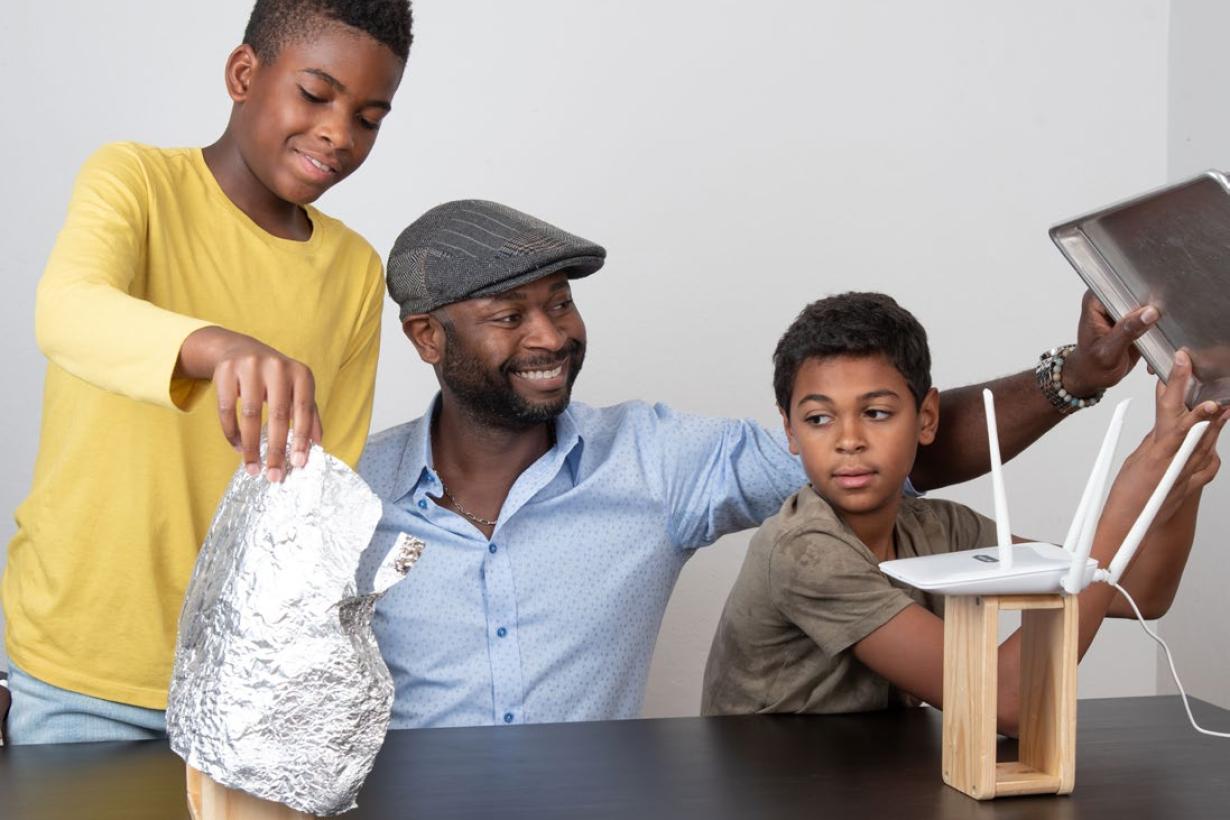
720, 475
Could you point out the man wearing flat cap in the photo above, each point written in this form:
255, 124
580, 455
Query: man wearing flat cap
555, 531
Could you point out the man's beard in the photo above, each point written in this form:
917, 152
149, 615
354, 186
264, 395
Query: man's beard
491, 398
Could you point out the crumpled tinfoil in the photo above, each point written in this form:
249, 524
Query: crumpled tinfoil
278, 687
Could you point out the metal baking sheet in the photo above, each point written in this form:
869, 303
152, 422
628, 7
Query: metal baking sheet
1169, 248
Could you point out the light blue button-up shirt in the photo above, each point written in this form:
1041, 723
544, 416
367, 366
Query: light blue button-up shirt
555, 617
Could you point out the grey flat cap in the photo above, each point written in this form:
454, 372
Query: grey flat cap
471, 247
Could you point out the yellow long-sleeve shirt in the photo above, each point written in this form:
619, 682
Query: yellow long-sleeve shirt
132, 461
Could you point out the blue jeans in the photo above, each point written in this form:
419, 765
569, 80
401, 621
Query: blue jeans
42, 713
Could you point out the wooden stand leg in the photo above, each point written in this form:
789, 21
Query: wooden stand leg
1048, 692
971, 679
208, 800
1047, 720
194, 793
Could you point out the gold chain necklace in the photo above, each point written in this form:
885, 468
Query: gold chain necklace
477, 519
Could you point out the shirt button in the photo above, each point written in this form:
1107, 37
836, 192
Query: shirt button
501, 632
422, 503
508, 717
491, 548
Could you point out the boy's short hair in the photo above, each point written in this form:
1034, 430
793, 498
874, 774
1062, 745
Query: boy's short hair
274, 23
853, 324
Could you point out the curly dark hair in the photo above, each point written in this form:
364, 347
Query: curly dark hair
273, 23
853, 324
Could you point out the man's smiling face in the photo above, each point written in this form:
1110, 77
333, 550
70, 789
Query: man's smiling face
511, 359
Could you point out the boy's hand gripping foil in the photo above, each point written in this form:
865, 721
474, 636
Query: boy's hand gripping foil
278, 687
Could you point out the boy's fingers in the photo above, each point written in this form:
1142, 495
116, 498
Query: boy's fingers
1210, 472
1217, 416
1212, 413
1200, 458
304, 411
226, 388
1170, 398
300, 441
1203, 462
1205, 411
304, 440
1208, 441
251, 398
278, 396
299, 446
1206, 473
318, 430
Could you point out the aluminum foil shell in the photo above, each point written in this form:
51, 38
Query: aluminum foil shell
278, 687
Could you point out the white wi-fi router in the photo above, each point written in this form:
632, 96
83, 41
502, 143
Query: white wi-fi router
1039, 568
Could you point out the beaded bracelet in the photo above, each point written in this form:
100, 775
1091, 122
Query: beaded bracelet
1050, 378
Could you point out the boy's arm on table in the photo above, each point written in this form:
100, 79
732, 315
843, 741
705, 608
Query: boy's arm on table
908, 650
1104, 355
88, 323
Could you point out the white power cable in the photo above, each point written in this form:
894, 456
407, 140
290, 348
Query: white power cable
1169, 659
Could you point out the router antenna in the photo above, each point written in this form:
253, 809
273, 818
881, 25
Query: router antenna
1109, 443
1128, 548
1003, 530
1092, 500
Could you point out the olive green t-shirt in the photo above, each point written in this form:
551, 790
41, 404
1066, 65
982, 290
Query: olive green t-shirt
808, 591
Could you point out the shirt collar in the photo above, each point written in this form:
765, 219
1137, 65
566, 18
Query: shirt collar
416, 466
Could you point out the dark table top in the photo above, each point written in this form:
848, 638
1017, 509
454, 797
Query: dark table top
1136, 757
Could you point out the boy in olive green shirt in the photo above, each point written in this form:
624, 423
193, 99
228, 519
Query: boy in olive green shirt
812, 625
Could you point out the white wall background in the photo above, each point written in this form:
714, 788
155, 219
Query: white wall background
737, 160
1199, 138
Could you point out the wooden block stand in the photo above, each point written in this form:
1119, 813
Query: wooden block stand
1047, 726
208, 800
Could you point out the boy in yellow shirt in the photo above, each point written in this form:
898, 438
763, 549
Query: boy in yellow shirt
191, 289
811, 624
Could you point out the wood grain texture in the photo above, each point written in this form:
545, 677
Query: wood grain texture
1048, 691
1047, 712
1020, 602
971, 675
208, 800
1015, 778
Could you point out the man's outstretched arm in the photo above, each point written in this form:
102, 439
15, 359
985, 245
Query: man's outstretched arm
1104, 354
